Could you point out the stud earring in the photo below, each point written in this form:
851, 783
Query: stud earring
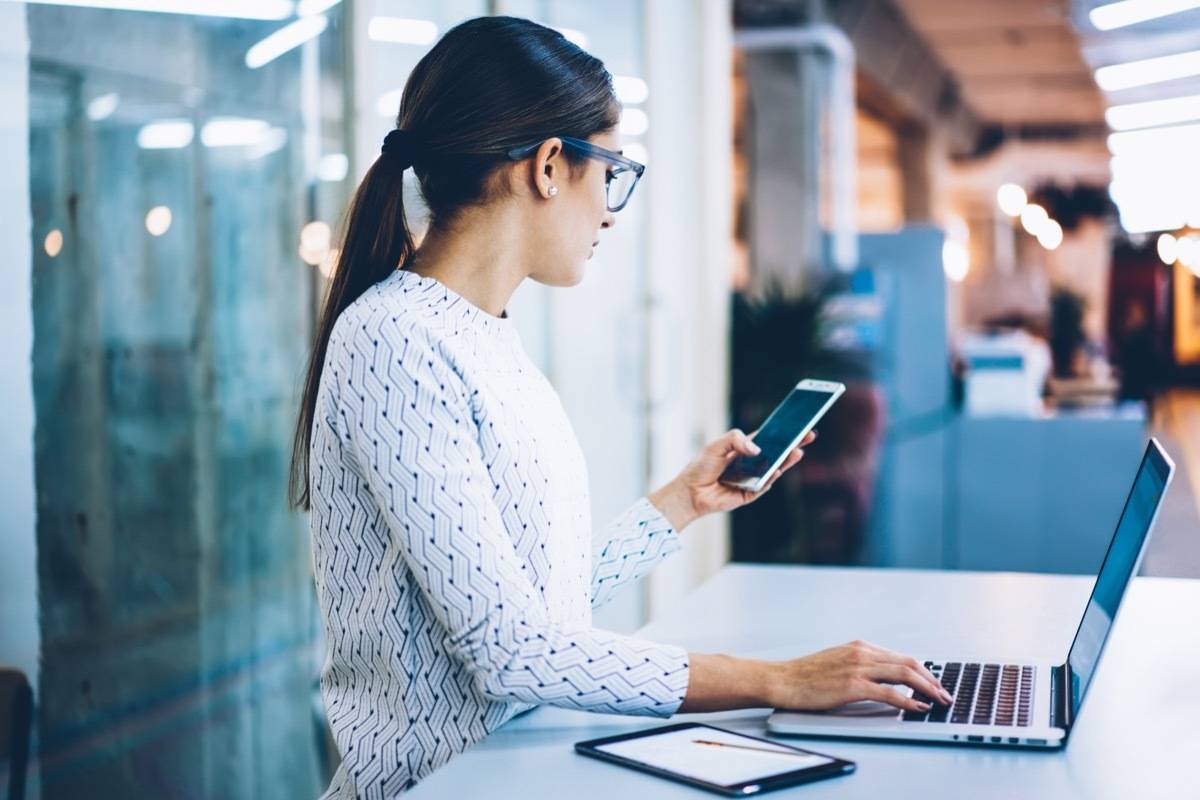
553, 190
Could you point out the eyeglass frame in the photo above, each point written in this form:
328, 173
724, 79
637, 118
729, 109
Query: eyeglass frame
592, 151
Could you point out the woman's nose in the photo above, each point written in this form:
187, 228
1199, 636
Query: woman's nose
609, 220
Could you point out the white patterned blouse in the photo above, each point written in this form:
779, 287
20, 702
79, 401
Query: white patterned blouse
455, 564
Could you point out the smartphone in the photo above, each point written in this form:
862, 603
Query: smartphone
788, 424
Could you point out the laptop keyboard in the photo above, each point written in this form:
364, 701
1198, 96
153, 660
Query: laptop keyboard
984, 694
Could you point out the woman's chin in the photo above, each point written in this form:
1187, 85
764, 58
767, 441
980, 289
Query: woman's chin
563, 278
580, 271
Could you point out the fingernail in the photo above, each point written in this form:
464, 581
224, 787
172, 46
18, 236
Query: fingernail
923, 706
755, 448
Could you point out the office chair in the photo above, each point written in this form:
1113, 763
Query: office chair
16, 723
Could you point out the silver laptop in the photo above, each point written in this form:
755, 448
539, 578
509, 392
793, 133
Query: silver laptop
1010, 701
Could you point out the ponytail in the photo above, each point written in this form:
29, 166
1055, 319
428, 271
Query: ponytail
377, 241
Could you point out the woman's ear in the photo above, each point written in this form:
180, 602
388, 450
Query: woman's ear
549, 168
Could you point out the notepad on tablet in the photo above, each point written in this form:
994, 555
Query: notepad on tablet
715, 759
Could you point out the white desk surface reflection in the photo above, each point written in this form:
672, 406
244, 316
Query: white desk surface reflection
1137, 733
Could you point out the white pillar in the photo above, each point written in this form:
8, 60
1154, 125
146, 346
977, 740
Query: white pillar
19, 635
689, 50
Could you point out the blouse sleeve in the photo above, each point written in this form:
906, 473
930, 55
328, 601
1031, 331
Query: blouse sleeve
416, 444
629, 547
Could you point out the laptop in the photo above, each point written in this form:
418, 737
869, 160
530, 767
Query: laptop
1011, 701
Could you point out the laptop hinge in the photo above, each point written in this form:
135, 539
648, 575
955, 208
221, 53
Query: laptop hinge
1060, 697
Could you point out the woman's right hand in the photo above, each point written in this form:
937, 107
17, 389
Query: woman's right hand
851, 672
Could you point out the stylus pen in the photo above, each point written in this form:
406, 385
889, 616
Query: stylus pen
747, 747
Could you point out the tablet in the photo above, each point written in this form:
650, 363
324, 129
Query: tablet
718, 760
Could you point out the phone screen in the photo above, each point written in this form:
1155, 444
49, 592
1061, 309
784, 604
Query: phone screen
795, 414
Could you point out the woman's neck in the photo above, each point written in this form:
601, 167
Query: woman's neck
478, 256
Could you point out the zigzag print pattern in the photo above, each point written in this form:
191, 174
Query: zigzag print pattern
452, 551
633, 544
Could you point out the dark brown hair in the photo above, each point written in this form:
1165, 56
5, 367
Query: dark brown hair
489, 85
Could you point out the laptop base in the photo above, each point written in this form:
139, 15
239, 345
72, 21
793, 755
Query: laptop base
870, 720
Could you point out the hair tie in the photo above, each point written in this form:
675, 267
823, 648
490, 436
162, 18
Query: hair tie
402, 143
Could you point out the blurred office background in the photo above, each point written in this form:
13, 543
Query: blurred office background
980, 215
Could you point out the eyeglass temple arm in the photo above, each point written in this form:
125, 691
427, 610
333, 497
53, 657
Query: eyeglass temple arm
524, 151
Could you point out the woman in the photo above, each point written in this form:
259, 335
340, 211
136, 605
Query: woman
450, 517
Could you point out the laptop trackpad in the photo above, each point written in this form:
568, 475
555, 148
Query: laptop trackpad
863, 708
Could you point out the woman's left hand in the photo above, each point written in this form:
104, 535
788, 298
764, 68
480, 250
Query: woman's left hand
696, 491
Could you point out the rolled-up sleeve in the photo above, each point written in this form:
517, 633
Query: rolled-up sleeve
418, 449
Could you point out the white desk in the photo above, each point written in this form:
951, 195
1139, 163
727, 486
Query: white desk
1138, 734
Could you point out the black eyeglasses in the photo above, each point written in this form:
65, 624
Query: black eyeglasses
619, 180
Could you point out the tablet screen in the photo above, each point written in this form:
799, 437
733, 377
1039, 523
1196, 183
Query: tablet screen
714, 756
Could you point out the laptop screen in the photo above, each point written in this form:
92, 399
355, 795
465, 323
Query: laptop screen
1117, 569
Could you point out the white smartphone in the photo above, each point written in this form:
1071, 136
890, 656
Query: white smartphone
788, 424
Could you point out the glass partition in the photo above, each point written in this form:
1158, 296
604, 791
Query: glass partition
176, 161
